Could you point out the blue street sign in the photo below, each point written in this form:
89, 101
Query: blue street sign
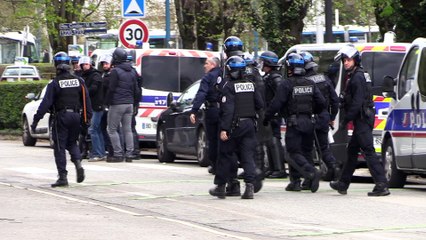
133, 8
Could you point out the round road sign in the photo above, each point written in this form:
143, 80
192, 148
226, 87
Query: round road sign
131, 31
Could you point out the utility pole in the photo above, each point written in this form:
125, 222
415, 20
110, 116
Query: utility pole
167, 38
328, 21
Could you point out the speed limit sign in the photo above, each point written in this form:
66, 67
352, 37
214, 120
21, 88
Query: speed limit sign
131, 31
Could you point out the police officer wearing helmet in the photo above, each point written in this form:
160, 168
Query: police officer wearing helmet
359, 109
297, 99
269, 64
67, 99
76, 69
325, 119
238, 112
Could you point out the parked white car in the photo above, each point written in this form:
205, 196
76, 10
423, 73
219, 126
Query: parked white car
43, 130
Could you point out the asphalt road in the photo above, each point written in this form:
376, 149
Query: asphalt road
149, 200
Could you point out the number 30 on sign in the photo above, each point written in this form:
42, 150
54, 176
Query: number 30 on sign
131, 31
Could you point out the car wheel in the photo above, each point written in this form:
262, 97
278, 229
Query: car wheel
396, 178
202, 156
163, 154
27, 139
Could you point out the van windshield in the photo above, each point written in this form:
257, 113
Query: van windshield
172, 74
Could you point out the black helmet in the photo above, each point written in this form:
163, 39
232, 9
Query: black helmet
61, 58
309, 61
348, 51
236, 66
269, 59
233, 45
295, 64
119, 56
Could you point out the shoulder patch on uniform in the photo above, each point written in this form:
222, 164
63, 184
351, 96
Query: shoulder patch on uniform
224, 99
244, 87
303, 90
367, 77
317, 78
219, 80
69, 83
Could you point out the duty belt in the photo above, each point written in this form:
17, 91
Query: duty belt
69, 109
211, 104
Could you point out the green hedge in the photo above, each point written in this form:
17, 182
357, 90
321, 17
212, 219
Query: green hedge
12, 101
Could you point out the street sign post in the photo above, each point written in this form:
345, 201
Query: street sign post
132, 31
133, 8
82, 28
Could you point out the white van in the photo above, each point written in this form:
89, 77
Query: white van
404, 136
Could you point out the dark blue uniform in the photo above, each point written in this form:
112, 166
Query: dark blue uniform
323, 119
297, 99
358, 106
64, 99
238, 111
208, 95
272, 81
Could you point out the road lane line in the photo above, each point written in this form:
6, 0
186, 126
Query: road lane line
120, 210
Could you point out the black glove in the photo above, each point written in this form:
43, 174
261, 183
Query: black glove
265, 122
33, 127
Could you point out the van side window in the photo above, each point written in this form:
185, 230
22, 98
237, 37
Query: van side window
379, 65
422, 73
408, 72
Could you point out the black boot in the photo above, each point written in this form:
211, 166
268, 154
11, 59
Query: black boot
233, 188
218, 191
249, 192
61, 182
340, 187
381, 189
79, 171
294, 186
316, 177
306, 184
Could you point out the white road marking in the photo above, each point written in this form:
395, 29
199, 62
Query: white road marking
98, 168
31, 170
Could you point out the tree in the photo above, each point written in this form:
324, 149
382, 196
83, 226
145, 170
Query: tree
201, 21
404, 17
281, 22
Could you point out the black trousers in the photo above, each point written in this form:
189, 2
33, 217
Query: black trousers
66, 129
241, 146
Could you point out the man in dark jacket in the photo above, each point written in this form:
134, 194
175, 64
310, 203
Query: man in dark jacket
359, 109
93, 82
122, 94
208, 95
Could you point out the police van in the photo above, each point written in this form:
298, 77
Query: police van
163, 71
404, 136
378, 60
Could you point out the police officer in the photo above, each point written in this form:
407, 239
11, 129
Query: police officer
297, 99
208, 95
65, 97
232, 46
238, 111
272, 79
359, 108
263, 134
325, 119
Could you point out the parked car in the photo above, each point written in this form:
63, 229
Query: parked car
15, 73
44, 126
175, 132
